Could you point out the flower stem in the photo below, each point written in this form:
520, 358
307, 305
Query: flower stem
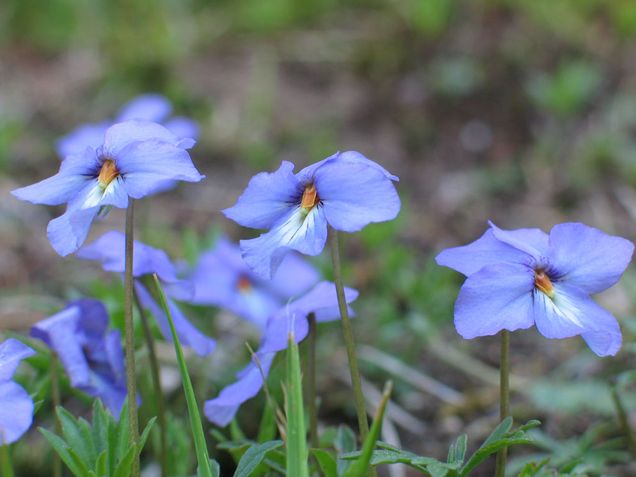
5, 461
311, 381
504, 396
56, 400
363, 424
131, 383
156, 382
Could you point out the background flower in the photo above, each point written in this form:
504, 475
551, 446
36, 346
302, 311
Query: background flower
91, 355
221, 278
16, 406
523, 277
292, 318
346, 191
109, 250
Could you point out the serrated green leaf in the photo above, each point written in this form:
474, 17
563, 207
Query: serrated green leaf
60, 446
326, 462
101, 467
77, 460
122, 433
344, 442
73, 435
124, 466
100, 426
254, 456
87, 434
457, 450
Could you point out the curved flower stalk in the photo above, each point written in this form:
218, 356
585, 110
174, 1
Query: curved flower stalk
321, 301
519, 278
109, 250
221, 278
346, 191
16, 406
147, 107
136, 159
91, 355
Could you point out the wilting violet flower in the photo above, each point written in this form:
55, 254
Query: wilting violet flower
110, 248
147, 107
91, 355
523, 277
16, 406
346, 191
292, 318
221, 278
136, 159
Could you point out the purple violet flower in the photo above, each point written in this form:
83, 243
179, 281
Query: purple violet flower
523, 277
147, 107
221, 278
109, 249
91, 355
292, 318
346, 191
16, 406
137, 159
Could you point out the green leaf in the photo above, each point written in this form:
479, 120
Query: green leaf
500, 438
60, 446
344, 442
360, 467
144, 435
296, 435
215, 468
326, 462
254, 456
267, 427
73, 435
123, 468
196, 426
101, 467
457, 450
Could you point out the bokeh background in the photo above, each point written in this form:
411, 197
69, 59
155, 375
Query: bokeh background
518, 111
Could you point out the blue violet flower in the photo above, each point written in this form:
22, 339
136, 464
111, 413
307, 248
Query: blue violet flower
16, 406
346, 191
519, 278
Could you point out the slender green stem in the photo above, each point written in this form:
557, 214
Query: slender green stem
56, 400
131, 383
504, 396
624, 421
196, 426
5, 461
311, 381
156, 382
363, 424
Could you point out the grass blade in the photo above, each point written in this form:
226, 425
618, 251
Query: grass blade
296, 436
196, 426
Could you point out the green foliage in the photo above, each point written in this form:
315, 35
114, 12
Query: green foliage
294, 413
98, 449
455, 466
254, 455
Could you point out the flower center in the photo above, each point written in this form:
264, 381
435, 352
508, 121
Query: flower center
107, 173
244, 284
542, 283
310, 197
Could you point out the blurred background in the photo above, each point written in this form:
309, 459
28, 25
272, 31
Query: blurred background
518, 111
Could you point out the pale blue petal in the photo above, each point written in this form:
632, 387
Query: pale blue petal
305, 233
182, 127
322, 300
16, 412
355, 194
68, 232
121, 135
147, 166
294, 276
222, 409
349, 157
486, 250
572, 312
88, 135
495, 298
288, 320
268, 197
149, 107
587, 257
12, 352
534, 242
188, 334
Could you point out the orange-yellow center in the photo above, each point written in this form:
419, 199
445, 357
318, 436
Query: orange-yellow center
107, 173
542, 283
244, 284
310, 197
